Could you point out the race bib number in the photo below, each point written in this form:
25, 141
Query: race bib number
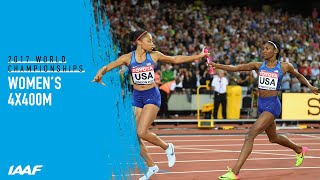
268, 80
143, 75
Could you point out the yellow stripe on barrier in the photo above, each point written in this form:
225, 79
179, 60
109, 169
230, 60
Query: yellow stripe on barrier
227, 127
302, 126
205, 124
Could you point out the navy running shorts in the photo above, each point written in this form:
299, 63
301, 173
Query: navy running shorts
149, 96
270, 104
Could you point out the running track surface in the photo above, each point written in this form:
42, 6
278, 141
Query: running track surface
205, 157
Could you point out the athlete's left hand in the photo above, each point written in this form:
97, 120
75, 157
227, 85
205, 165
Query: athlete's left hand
313, 89
203, 54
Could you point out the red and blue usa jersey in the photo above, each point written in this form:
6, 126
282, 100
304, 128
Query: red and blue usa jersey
270, 78
142, 73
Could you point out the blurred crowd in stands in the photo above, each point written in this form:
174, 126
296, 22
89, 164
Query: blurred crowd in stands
233, 35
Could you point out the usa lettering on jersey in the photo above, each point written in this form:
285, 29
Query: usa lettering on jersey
143, 75
268, 80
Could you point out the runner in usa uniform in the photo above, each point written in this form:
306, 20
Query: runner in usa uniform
270, 74
146, 96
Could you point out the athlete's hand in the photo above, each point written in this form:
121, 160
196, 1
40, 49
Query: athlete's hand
314, 90
203, 54
98, 79
211, 64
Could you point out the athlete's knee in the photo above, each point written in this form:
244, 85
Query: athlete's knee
142, 133
251, 135
273, 139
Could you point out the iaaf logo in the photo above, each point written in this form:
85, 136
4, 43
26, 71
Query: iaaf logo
24, 171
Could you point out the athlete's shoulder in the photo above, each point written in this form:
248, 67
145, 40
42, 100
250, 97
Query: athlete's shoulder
286, 66
284, 63
128, 54
257, 65
155, 52
155, 55
125, 58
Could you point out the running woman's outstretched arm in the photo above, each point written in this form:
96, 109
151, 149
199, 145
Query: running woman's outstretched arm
243, 67
301, 78
102, 71
179, 59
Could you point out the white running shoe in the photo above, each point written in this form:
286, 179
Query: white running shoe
151, 171
171, 155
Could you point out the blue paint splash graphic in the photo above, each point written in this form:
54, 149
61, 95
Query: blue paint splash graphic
122, 149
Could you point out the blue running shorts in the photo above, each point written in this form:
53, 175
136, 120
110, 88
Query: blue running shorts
270, 104
149, 96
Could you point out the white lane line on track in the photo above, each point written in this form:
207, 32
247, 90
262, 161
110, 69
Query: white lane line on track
233, 151
225, 145
241, 139
229, 135
225, 160
201, 150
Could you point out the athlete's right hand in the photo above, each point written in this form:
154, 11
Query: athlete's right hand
98, 79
